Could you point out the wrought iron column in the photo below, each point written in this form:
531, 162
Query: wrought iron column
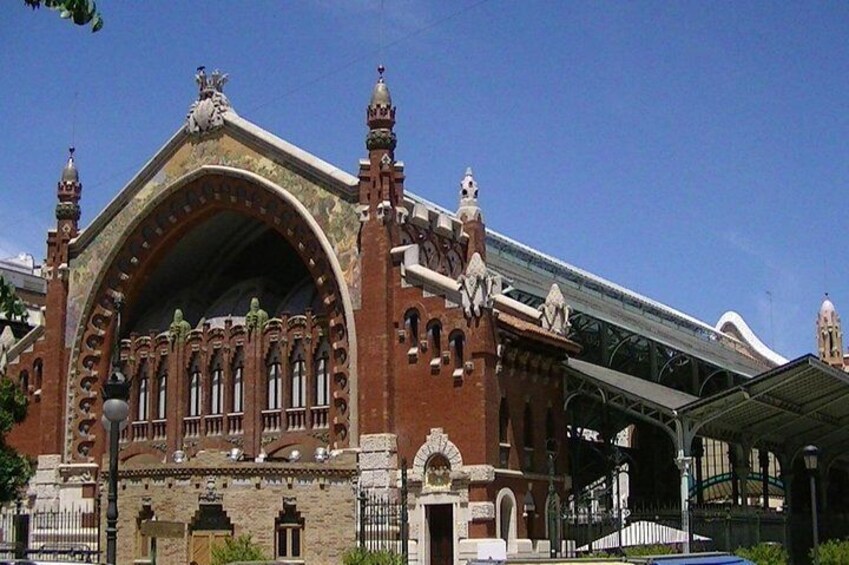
698, 454
552, 510
763, 459
735, 481
112, 507
814, 524
405, 519
684, 440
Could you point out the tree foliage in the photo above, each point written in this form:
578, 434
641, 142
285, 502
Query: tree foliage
10, 305
242, 548
15, 469
765, 554
645, 550
833, 552
81, 12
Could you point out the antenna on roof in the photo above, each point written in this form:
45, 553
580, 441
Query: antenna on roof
74, 118
771, 324
380, 33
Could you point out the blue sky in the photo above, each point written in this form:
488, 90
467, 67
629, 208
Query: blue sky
695, 152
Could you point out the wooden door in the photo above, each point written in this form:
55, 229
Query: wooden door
200, 546
441, 526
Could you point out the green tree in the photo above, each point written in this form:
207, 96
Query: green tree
10, 305
15, 469
81, 12
237, 549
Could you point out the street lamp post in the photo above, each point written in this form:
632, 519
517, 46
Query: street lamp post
552, 510
116, 393
810, 453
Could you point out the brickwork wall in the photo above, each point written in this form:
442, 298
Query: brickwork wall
432, 397
26, 437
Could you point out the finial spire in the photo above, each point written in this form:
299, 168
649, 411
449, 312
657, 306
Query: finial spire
469, 209
380, 116
69, 191
207, 112
70, 173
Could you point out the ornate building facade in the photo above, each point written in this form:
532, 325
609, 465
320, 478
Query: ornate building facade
275, 306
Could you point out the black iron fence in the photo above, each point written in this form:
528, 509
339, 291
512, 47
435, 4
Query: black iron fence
382, 518
72, 535
712, 528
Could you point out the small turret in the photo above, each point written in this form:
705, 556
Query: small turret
69, 191
470, 214
380, 117
829, 334
70, 173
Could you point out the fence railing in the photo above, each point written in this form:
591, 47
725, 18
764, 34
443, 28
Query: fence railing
712, 528
50, 536
382, 519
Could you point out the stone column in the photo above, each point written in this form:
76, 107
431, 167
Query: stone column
378, 463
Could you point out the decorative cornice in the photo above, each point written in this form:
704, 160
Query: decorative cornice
241, 470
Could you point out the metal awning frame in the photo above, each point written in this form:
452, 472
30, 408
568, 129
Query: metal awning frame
752, 414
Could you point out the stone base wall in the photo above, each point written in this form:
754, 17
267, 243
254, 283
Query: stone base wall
378, 463
252, 497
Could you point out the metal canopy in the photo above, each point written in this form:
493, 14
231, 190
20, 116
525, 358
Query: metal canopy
637, 397
802, 402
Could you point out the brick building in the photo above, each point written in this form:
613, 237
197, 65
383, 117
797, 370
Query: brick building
275, 305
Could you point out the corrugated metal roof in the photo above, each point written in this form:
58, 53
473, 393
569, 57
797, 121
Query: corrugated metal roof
656, 394
802, 402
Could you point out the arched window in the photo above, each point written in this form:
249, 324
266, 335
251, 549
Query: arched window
143, 406
216, 396
434, 341
23, 379
503, 433
411, 325
238, 381
437, 472
457, 342
297, 382
274, 388
550, 437
322, 375
195, 388
38, 373
290, 528
528, 437
162, 390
